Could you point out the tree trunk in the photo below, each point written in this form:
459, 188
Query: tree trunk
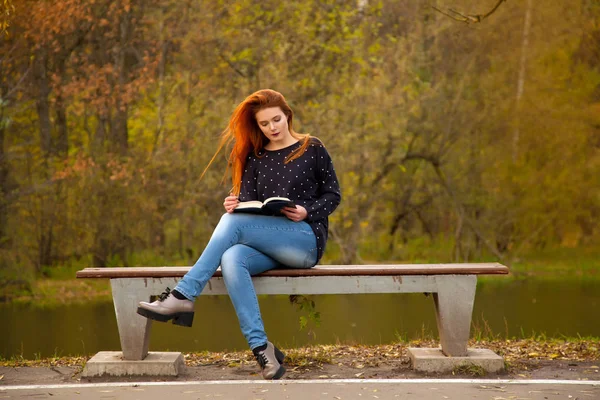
3, 187
120, 133
100, 135
160, 101
42, 104
521, 79
46, 238
62, 144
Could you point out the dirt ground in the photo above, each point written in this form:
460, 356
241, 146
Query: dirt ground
523, 361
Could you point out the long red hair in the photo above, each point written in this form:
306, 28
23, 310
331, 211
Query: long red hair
244, 132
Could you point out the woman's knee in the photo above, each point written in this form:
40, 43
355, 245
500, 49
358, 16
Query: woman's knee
225, 219
232, 260
229, 258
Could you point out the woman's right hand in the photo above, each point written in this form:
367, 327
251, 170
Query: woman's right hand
230, 203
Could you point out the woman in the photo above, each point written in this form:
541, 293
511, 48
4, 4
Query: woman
268, 159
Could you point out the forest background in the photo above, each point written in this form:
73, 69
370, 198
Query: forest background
453, 141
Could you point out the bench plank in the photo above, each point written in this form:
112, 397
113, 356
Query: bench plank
319, 270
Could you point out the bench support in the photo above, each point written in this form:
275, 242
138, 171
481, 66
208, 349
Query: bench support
134, 330
453, 296
453, 311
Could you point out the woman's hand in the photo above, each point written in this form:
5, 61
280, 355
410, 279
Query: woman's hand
230, 203
296, 214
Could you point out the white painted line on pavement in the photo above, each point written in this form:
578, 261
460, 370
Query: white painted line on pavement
310, 381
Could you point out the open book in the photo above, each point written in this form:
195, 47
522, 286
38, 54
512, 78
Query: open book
271, 206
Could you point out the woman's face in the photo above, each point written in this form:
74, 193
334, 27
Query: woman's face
274, 125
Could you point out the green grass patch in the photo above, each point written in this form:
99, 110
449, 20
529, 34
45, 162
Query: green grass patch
469, 370
49, 292
308, 357
559, 262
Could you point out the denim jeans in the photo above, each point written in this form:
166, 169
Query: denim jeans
246, 245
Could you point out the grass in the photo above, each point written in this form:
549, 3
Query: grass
49, 292
308, 357
469, 370
560, 263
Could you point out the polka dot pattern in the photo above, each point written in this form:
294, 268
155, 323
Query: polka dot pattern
310, 181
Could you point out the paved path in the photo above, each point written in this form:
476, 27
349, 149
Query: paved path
422, 389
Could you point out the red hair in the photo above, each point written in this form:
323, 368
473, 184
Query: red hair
244, 132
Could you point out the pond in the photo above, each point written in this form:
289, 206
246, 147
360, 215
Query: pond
517, 308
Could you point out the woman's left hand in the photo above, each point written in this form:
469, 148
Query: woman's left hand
296, 214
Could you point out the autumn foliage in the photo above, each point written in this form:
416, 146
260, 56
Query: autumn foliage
482, 139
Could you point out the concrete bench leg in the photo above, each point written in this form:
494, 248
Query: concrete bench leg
454, 308
134, 330
134, 333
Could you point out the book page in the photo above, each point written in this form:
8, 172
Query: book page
249, 204
276, 199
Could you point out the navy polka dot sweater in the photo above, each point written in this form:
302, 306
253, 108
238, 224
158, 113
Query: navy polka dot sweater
309, 181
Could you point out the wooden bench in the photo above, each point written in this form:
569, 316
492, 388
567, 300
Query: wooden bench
452, 286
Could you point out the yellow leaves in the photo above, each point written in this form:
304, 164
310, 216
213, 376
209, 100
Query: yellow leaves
545, 349
6, 11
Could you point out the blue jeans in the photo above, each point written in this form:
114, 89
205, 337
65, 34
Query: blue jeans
246, 245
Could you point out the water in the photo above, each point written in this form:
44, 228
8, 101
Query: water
514, 308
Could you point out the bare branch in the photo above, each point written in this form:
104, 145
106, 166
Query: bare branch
458, 206
468, 18
233, 67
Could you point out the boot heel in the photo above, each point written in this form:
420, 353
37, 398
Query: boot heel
279, 356
184, 319
279, 373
